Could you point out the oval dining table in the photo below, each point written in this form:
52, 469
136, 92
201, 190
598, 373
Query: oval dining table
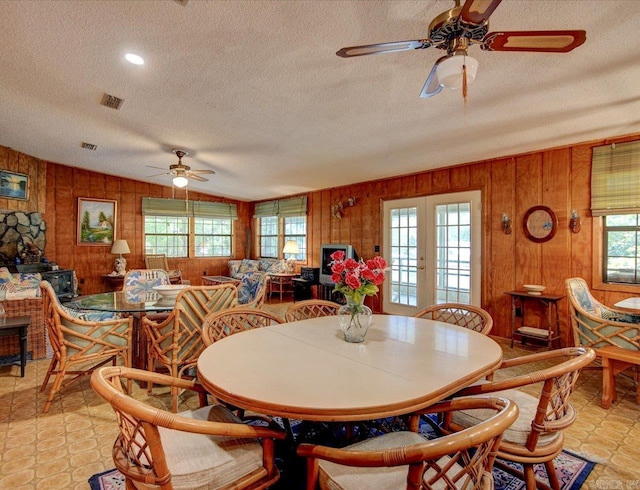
305, 370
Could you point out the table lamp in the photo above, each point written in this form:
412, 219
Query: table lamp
120, 247
291, 248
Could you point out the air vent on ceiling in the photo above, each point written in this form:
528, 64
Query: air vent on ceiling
111, 101
89, 146
182, 2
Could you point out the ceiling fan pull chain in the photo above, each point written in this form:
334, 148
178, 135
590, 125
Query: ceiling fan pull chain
464, 82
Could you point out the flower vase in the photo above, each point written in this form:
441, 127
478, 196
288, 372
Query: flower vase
354, 319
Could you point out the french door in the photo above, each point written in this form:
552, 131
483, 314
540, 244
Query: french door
433, 246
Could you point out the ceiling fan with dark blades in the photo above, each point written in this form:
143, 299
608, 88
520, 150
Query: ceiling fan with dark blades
181, 172
461, 27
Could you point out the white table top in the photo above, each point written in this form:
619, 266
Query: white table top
306, 370
631, 304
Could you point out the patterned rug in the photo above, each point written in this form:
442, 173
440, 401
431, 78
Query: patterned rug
572, 471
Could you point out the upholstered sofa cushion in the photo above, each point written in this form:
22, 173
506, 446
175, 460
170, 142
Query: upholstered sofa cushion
238, 268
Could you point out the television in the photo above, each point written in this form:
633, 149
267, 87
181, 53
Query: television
325, 259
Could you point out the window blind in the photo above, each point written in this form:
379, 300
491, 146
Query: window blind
294, 206
615, 179
178, 207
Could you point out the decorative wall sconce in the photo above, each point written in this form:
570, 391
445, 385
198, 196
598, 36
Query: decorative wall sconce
506, 224
336, 209
575, 223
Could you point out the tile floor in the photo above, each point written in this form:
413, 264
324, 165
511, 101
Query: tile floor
62, 449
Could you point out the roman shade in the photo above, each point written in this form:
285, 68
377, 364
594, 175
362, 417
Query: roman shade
615, 179
199, 209
294, 206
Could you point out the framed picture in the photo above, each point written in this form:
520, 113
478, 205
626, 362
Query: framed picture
96, 221
13, 185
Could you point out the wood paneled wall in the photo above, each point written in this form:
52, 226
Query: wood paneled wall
557, 178
54, 190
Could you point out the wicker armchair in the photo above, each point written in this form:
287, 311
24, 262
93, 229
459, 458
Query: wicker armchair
205, 448
223, 323
80, 338
176, 342
406, 460
311, 308
467, 316
159, 261
537, 436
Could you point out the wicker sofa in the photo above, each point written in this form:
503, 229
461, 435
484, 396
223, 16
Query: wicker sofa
20, 296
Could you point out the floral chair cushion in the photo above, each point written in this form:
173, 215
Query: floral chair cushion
250, 287
5, 275
583, 296
139, 283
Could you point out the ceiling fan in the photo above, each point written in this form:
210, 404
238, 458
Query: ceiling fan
182, 173
461, 27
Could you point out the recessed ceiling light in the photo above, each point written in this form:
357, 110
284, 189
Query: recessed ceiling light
134, 58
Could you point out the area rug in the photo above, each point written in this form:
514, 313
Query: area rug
572, 471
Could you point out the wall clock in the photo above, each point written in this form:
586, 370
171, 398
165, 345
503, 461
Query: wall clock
540, 224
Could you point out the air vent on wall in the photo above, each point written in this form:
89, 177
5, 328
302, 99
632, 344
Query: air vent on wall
89, 146
111, 101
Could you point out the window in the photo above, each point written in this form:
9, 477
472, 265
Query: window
274, 233
295, 228
269, 237
167, 235
279, 221
213, 237
622, 248
179, 228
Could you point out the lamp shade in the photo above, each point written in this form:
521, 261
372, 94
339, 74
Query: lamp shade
449, 72
291, 247
120, 247
180, 181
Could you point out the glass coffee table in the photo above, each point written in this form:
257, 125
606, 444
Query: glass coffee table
213, 280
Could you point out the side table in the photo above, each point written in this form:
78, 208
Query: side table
550, 302
114, 282
214, 280
17, 325
281, 283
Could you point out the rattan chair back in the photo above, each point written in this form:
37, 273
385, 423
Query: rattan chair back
596, 325
311, 308
140, 453
176, 342
555, 373
459, 460
471, 317
221, 324
80, 344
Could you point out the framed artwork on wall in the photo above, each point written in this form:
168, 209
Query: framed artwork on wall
14, 185
96, 221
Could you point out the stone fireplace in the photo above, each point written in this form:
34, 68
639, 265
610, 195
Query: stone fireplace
22, 234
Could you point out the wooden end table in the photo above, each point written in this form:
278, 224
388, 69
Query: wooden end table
17, 325
281, 283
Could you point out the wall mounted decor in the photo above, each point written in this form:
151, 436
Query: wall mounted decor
96, 221
14, 185
540, 224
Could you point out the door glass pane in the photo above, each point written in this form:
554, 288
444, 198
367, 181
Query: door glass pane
404, 242
453, 253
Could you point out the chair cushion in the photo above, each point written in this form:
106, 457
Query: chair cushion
520, 429
198, 461
335, 476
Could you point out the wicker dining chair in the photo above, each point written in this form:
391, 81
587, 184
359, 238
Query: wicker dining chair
81, 341
311, 308
471, 317
205, 448
176, 342
537, 436
405, 459
159, 261
220, 324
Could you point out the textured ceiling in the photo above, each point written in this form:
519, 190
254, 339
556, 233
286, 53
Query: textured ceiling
254, 90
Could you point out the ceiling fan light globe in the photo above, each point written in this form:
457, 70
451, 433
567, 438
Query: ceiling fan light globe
449, 71
180, 181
